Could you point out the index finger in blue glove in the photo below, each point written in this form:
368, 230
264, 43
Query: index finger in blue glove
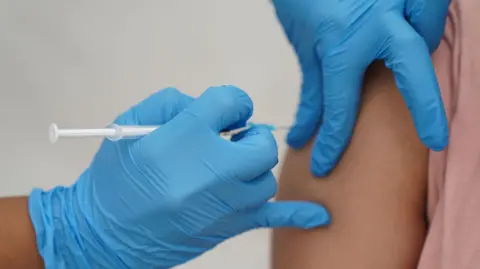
310, 108
342, 82
222, 107
250, 155
292, 214
300, 28
428, 18
157, 109
408, 57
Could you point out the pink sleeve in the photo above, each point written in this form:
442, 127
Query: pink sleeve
453, 210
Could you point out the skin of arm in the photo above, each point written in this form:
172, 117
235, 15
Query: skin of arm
18, 249
376, 194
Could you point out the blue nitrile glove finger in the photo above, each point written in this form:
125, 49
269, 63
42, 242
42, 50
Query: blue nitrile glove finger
310, 108
343, 38
407, 55
342, 83
282, 214
164, 199
309, 112
423, 15
232, 106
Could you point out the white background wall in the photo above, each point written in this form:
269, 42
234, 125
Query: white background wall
80, 63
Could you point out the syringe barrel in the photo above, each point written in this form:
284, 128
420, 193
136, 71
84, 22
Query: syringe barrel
129, 132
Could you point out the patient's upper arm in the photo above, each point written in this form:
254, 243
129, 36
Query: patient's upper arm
376, 194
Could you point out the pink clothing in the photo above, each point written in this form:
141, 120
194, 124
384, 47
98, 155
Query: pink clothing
453, 241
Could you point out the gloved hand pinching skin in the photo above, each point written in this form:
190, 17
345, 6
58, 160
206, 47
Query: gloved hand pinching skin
336, 41
166, 198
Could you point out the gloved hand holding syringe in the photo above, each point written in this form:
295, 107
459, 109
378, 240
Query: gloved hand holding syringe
115, 132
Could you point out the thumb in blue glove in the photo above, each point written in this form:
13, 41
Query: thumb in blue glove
336, 42
166, 198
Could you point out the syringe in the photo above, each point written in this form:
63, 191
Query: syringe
116, 132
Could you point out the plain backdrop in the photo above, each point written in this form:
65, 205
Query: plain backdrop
81, 63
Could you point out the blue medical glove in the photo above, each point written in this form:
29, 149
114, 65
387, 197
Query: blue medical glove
336, 41
168, 197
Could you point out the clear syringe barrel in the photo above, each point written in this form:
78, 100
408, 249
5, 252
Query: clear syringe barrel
55, 133
129, 132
